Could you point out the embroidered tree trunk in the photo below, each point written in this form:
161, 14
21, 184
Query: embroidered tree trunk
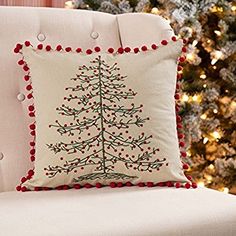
96, 111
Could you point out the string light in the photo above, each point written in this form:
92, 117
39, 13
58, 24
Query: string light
203, 116
233, 8
209, 178
215, 111
204, 86
201, 184
225, 190
196, 98
217, 54
155, 10
205, 140
195, 42
217, 32
203, 76
216, 135
69, 5
211, 167
185, 98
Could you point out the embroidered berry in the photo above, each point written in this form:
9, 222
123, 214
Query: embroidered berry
27, 43
164, 42
110, 50
89, 51
120, 50
40, 46
97, 49
59, 48
136, 50
144, 48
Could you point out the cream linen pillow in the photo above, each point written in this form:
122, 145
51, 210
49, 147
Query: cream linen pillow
103, 118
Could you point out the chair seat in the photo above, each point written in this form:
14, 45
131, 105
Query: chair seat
118, 212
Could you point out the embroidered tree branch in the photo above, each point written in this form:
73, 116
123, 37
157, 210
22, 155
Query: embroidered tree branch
93, 105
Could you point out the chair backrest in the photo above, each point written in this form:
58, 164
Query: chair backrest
75, 28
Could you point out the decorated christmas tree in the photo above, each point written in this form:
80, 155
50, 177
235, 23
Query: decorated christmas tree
92, 106
209, 82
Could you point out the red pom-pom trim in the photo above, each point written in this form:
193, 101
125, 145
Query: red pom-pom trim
21, 62
110, 50
127, 49
77, 186
136, 50
68, 49
120, 50
164, 42
48, 48
144, 48
40, 46
154, 46
97, 49
112, 184
98, 185
27, 43
28, 87
89, 51
78, 50
59, 48
174, 39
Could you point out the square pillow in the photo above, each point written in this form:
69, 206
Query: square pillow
103, 118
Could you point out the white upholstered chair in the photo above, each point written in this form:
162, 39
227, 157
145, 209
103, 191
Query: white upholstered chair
94, 212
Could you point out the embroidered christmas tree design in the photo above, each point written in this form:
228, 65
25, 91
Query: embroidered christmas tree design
94, 106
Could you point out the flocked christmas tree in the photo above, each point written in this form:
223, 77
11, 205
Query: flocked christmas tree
209, 81
96, 111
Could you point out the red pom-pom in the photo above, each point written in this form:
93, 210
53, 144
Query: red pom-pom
40, 46
97, 49
110, 50
77, 186
141, 184
78, 50
16, 50
48, 48
19, 46
160, 184
98, 185
25, 68
120, 50
178, 118
31, 108
136, 50
32, 151
174, 39
169, 184
183, 154
181, 144
31, 114
32, 158
129, 184
89, 51
28, 87
65, 187
177, 96
32, 133
180, 136
24, 189
29, 96
184, 49
88, 185
21, 62
185, 41
37, 188
177, 185
179, 126
27, 43
18, 188
177, 86
23, 179
68, 49
30, 172
59, 48
187, 185
181, 59
119, 185
144, 48
194, 185
150, 184
127, 49
189, 177
112, 184
154, 46
179, 76
26, 77
164, 42
32, 144
179, 68
32, 126
185, 166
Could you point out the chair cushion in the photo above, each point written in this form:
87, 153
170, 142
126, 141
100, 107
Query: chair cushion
120, 212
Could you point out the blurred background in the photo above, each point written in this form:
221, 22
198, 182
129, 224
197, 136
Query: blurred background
208, 101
